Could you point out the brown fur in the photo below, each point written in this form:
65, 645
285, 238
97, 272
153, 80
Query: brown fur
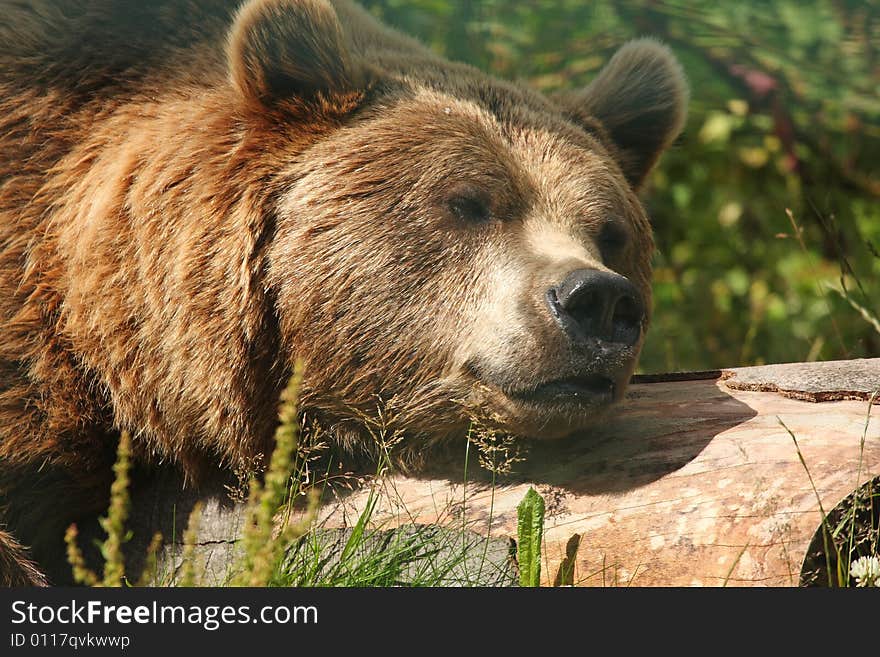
191, 198
16, 568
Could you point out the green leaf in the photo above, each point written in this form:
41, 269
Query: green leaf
530, 531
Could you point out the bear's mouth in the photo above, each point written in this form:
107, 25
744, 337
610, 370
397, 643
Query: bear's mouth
569, 392
588, 389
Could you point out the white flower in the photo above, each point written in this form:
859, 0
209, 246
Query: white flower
866, 571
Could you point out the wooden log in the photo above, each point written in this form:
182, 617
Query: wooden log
690, 482
696, 479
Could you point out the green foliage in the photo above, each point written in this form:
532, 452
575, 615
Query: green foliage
263, 549
530, 532
188, 575
113, 524
785, 115
368, 554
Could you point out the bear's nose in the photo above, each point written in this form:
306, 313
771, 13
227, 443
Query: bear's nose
591, 303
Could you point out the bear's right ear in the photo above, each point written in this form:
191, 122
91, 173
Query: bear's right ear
290, 50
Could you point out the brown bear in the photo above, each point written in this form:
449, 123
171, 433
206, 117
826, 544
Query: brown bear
195, 194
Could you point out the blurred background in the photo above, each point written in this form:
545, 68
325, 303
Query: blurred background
767, 209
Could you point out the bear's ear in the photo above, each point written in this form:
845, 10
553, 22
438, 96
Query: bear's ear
289, 49
640, 97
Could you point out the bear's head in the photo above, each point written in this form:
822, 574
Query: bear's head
448, 245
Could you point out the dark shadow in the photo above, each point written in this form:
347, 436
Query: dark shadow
658, 429
162, 501
43, 501
859, 514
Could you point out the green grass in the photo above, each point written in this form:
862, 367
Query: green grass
849, 532
113, 524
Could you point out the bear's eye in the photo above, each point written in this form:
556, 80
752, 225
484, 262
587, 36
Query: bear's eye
469, 207
613, 237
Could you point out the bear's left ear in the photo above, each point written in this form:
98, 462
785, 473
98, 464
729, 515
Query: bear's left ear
640, 97
290, 50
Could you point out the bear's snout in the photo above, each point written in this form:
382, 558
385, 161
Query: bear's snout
574, 358
591, 304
